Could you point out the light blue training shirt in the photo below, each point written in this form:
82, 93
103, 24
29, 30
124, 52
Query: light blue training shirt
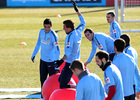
48, 42
103, 42
112, 76
127, 67
90, 87
115, 30
132, 52
73, 42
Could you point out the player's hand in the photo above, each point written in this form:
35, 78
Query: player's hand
75, 6
33, 59
58, 63
138, 95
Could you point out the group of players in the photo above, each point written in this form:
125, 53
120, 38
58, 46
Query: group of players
116, 58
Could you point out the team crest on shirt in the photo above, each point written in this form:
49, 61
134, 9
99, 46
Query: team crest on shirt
100, 47
48, 39
107, 80
114, 31
56, 43
68, 44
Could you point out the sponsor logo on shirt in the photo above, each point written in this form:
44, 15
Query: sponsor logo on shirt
44, 42
68, 45
100, 47
56, 43
108, 80
114, 31
48, 39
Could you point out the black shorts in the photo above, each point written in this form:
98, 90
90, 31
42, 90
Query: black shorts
65, 76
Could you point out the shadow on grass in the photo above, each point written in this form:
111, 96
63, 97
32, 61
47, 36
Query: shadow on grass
84, 12
35, 93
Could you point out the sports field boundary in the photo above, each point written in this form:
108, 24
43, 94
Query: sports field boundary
14, 90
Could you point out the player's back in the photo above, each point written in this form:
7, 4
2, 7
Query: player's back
132, 52
92, 87
126, 65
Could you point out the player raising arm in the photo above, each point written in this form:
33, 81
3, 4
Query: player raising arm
72, 47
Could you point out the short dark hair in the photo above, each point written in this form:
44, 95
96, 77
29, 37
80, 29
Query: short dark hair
47, 21
102, 54
112, 13
77, 64
126, 38
119, 44
88, 30
69, 24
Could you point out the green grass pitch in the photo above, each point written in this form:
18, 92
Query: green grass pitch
23, 25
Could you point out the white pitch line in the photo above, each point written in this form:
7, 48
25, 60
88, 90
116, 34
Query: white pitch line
20, 90
12, 96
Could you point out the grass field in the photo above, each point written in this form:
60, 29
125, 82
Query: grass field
23, 25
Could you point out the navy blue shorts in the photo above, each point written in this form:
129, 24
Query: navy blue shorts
45, 69
131, 97
65, 76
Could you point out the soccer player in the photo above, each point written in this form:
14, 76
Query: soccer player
90, 86
100, 40
112, 76
130, 51
115, 30
128, 48
127, 66
72, 47
48, 42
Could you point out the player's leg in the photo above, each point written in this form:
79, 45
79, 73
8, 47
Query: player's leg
65, 76
51, 68
43, 73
